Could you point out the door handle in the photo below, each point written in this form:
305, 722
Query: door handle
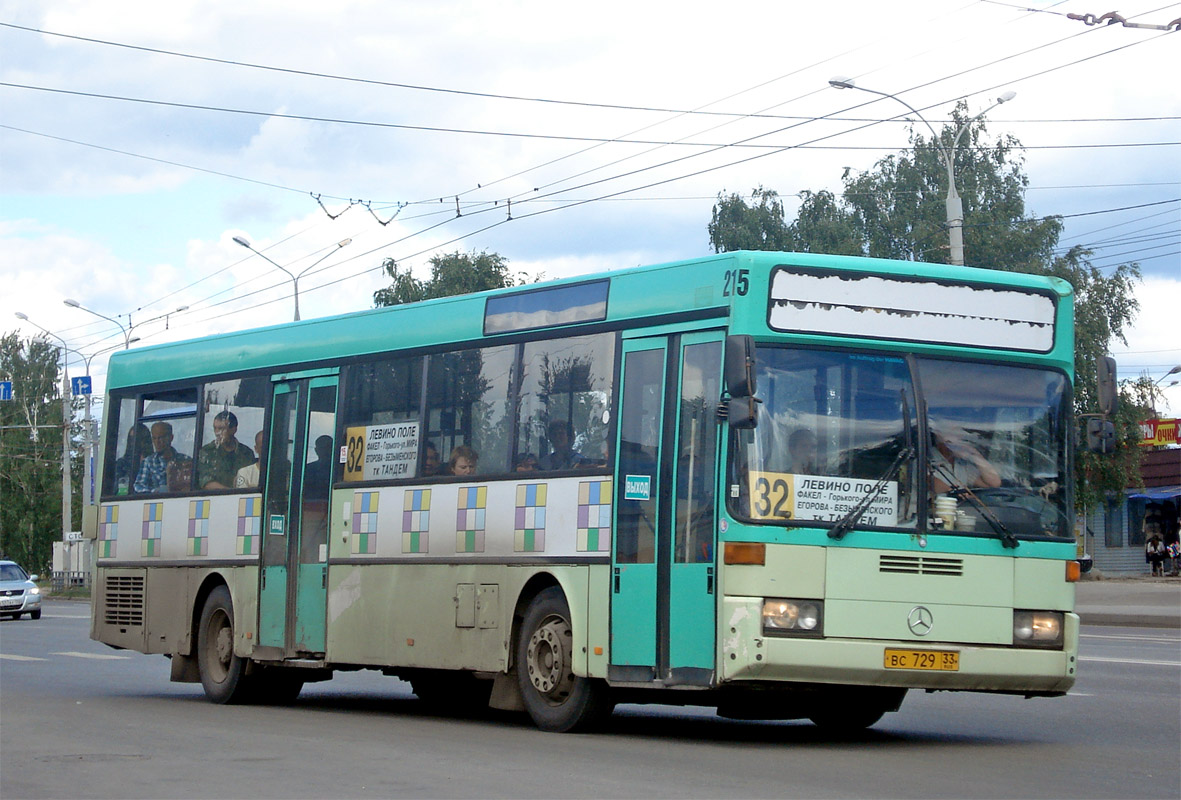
709, 580
616, 571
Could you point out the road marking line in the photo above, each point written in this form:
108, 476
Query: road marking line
1131, 661
97, 656
20, 658
68, 616
1169, 639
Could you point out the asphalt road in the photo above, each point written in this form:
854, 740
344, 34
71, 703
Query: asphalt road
80, 720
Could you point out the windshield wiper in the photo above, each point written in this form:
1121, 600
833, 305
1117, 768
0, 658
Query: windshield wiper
850, 519
1006, 536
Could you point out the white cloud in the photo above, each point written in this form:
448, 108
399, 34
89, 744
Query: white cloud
1154, 341
139, 237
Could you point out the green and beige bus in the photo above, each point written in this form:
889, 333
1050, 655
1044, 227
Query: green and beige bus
788, 486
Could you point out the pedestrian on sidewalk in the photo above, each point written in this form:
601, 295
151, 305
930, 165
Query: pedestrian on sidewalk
1154, 549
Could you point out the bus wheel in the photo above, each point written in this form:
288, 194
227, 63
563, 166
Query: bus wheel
223, 674
556, 699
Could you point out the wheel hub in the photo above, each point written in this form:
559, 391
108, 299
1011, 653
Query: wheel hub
548, 659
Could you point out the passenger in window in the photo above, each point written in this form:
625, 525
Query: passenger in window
248, 476
219, 461
956, 464
801, 445
526, 462
318, 474
139, 447
562, 454
430, 460
463, 461
165, 469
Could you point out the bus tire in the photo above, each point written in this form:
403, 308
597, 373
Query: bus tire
556, 699
223, 674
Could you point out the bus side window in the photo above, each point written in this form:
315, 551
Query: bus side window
233, 412
128, 442
171, 418
467, 400
376, 394
565, 401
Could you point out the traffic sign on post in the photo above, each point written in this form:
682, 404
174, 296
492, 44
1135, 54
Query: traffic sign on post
5, 390
80, 386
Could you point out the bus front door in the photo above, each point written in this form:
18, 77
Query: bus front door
663, 588
294, 577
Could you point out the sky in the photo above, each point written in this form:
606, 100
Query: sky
138, 139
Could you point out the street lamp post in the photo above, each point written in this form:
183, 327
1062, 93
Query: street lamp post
126, 331
294, 278
955, 205
67, 476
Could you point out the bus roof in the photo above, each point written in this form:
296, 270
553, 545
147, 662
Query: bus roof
634, 293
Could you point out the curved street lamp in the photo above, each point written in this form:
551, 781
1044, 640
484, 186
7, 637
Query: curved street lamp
294, 278
955, 205
126, 332
1173, 371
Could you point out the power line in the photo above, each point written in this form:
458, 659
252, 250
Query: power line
484, 95
605, 197
152, 158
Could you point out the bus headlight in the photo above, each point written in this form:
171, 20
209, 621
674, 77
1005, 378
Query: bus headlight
1037, 628
792, 617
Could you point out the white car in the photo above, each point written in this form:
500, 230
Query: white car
18, 593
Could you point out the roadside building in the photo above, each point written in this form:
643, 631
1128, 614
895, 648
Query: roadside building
1115, 529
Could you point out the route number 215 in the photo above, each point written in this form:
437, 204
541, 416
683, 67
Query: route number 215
736, 282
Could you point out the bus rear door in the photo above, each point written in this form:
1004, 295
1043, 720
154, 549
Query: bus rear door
294, 580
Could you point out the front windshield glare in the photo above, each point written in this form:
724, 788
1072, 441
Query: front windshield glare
831, 424
997, 446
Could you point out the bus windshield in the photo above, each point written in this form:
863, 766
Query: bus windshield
837, 428
997, 443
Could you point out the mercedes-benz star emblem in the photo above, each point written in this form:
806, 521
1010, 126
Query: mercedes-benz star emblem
920, 621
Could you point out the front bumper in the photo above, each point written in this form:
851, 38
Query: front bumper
20, 605
748, 655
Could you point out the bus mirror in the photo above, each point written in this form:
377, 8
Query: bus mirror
1100, 436
743, 413
740, 368
1108, 393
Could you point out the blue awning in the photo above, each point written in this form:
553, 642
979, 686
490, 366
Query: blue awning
1156, 494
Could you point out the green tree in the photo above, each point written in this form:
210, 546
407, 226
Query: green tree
738, 226
451, 274
823, 225
30, 452
897, 210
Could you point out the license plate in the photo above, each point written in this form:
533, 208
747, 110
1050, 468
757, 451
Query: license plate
940, 660
7, 603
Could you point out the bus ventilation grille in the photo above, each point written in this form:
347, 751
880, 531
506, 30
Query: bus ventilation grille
921, 565
124, 600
